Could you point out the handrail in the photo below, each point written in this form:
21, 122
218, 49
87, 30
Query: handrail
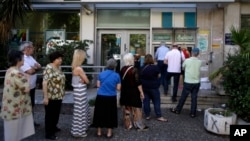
97, 70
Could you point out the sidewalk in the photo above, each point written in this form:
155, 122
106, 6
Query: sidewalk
178, 128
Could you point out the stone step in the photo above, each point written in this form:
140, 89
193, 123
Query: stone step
206, 99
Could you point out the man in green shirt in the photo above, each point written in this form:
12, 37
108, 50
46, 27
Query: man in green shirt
191, 67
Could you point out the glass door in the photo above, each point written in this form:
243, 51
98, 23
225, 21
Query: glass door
115, 43
138, 44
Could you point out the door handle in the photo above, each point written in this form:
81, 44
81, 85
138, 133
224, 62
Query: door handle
125, 48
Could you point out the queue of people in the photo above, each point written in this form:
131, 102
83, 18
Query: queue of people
138, 85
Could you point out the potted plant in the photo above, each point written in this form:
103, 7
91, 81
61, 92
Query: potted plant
234, 75
218, 120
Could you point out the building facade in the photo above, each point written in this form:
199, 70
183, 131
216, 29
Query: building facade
138, 26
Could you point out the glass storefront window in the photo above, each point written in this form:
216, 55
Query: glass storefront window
38, 22
125, 18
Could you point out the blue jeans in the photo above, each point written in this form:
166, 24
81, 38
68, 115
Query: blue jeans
189, 88
163, 70
154, 95
176, 82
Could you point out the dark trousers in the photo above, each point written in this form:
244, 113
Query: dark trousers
163, 70
154, 95
189, 88
32, 97
52, 112
176, 82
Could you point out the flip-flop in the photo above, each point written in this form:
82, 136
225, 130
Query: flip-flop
162, 119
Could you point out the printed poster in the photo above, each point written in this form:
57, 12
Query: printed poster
203, 40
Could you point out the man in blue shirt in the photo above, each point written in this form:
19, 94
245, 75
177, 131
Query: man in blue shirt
159, 57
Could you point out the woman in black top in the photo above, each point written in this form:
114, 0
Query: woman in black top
131, 94
149, 77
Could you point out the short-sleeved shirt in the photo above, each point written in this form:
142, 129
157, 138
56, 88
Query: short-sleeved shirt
149, 76
192, 70
55, 82
16, 102
109, 79
174, 58
161, 52
29, 62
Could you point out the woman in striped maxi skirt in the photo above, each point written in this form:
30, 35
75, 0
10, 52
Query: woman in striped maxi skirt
81, 113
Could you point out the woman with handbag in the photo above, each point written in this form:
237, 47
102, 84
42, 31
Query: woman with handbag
105, 112
131, 95
149, 76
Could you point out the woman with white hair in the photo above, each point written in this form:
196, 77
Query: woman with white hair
131, 95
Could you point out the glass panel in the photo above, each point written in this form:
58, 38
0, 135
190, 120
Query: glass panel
110, 47
123, 18
245, 21
138, 45
185, 36
162, 35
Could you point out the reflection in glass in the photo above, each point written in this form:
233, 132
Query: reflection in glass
110, 48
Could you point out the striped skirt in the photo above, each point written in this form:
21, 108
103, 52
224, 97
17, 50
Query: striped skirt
81, 112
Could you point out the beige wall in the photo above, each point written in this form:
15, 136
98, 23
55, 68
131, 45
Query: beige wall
87, 31
211, 19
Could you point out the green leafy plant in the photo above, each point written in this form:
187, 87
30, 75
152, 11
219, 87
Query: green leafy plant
222, 112
235, 74
68, 50
237, 84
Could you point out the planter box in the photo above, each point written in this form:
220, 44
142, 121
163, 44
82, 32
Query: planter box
217, 123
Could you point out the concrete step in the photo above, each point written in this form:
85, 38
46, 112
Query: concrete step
206, 99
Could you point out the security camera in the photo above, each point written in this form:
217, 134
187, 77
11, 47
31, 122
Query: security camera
87, 10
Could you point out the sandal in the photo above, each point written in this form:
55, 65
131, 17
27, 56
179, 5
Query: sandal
162, 119
173, 110
148, 118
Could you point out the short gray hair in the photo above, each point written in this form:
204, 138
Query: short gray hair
24, 45
128, 59
111, 63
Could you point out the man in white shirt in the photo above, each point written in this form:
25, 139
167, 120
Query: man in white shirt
30, 67
174, 58
159, 57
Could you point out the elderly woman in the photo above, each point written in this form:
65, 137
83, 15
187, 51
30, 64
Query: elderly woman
105, 112
150, 84
81, 114
131, 95
16, 104
53, 92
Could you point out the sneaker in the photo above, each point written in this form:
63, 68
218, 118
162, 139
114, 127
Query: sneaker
143, 129
173, 110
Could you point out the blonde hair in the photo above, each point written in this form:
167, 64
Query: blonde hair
78, 58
